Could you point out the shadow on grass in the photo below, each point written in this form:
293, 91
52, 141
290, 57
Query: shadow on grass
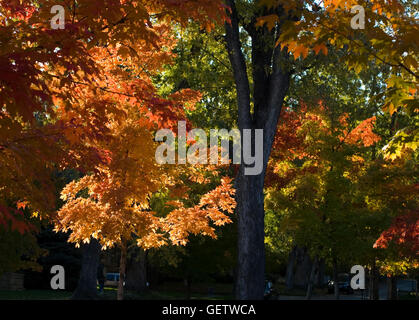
35, 295
108, 294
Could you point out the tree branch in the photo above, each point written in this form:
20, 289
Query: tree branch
239, 66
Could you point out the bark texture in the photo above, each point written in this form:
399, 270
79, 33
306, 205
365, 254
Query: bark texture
87, 285
270, 84
136, 277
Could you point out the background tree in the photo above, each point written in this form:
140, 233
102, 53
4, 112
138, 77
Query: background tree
274, 29
47, 76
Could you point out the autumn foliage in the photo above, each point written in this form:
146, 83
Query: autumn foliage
86, 99
335, 197
60, 88
404, 232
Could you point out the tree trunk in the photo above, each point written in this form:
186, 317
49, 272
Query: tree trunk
336, 279
373, 286
320, 274
136, 277
251, 236
302, 268
289, 276
122, 268
269, 89
391, 288
87, 285
313, 272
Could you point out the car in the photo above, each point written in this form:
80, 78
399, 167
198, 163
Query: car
112, 279
344, 284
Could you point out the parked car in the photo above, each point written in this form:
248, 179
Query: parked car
112, 280
344, 284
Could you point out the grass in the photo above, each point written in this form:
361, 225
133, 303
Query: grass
35, 295
408, 296
284, 291
166, 291
110, 294
174, 291
169, 291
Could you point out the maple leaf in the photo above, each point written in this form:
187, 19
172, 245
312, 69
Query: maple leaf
269, 20
320, 47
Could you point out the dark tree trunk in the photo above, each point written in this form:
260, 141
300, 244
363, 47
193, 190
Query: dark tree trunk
87, 285
370, 284
310, 284
289, 277
302, 268
373, 285
320, 274
392, 288
336, 279
251, 235
376, 292
136, 278
122, 268
269, 89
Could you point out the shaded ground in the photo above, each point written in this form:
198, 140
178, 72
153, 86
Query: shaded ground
405, 287
35, 295
170, 291
176, 291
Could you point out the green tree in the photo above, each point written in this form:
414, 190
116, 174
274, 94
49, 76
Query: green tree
274, 29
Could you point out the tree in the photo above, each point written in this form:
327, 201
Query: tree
42, 67
296, 26
401, 239
87, 285
317, 193
50, 78
113, 206
14, 246
136, 278
330, 194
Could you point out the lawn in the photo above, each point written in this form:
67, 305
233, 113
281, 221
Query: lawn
170, 291
35, 295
